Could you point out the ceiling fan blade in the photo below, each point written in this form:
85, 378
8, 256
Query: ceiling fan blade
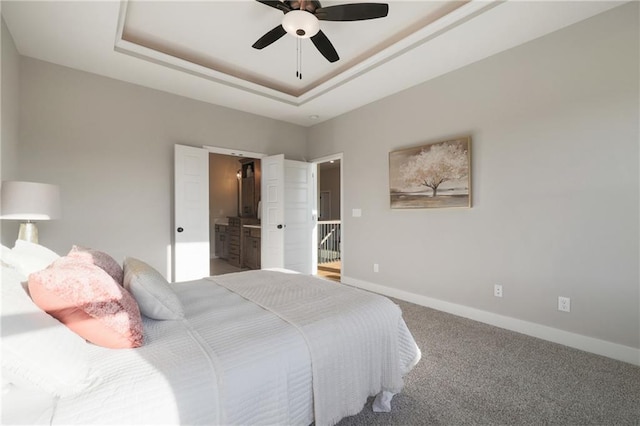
325, 47
276, 4
352, 12
269, 37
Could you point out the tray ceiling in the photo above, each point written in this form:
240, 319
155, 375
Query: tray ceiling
202, 50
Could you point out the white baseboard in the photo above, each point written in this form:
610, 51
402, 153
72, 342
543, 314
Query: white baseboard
578, 341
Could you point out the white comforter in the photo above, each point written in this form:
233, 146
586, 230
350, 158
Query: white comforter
352, 336
229, 362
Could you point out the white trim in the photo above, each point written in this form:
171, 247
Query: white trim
233, 152
578, 341
327, 158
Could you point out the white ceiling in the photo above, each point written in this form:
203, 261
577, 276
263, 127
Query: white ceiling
202, 50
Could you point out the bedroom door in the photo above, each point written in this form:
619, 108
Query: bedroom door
191, 213
272, 245
288, 224
300, 221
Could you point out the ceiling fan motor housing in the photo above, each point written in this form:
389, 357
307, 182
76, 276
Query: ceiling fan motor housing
301, 24
309, 6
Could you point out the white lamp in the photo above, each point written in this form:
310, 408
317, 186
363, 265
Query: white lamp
29, 202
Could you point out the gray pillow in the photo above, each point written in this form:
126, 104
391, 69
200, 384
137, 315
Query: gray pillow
152, 291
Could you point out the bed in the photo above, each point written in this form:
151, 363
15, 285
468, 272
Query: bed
255, 347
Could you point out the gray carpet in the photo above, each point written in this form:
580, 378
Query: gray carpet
473, 373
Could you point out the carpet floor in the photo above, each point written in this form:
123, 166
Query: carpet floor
476, 374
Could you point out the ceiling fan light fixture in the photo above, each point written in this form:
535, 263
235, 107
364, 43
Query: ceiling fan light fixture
301, 24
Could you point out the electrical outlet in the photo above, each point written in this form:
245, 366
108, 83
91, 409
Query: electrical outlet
497, 290
564, 304
376, 267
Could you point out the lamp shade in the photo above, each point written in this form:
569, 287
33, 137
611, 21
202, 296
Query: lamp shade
29, 201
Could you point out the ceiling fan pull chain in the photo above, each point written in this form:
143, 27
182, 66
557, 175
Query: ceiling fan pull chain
299, 58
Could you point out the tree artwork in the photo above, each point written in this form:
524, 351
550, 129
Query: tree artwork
431, 176
438, 164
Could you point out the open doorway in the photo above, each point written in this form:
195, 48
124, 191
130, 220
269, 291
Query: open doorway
329, 201
225, 206
234, 214
288, 202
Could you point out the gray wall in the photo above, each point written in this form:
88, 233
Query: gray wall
9, 122
330, 181
10, 105
109, 145
555, 183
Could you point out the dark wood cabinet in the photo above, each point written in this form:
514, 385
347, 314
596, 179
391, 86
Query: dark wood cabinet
244, 250
251, 246
221, 242
249, 187
235, 238
248, 197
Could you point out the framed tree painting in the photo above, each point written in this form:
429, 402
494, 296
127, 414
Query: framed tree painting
435, 175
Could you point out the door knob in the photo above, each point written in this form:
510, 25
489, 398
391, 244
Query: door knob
180, 229
279, 226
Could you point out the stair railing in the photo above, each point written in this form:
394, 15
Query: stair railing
329, 241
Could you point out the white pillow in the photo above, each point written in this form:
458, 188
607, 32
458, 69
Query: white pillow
153, 293
26, 407
7, 259
32, 257
37, 350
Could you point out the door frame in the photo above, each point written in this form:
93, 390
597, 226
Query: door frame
325, 159
261, 156
233, 152
337, 156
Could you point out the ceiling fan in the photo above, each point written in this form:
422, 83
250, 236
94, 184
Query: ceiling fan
301, 19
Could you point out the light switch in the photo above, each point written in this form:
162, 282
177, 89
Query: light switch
356, 212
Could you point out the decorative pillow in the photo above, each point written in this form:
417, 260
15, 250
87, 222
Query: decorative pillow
152, 292
32, 257
87, 300
37, 351
99, 258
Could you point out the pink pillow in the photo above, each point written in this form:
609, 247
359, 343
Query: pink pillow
101, 259
88, 301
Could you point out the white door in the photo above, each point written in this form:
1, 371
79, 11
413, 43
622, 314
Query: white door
272, 193
288, 222
298, 217
191, 213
